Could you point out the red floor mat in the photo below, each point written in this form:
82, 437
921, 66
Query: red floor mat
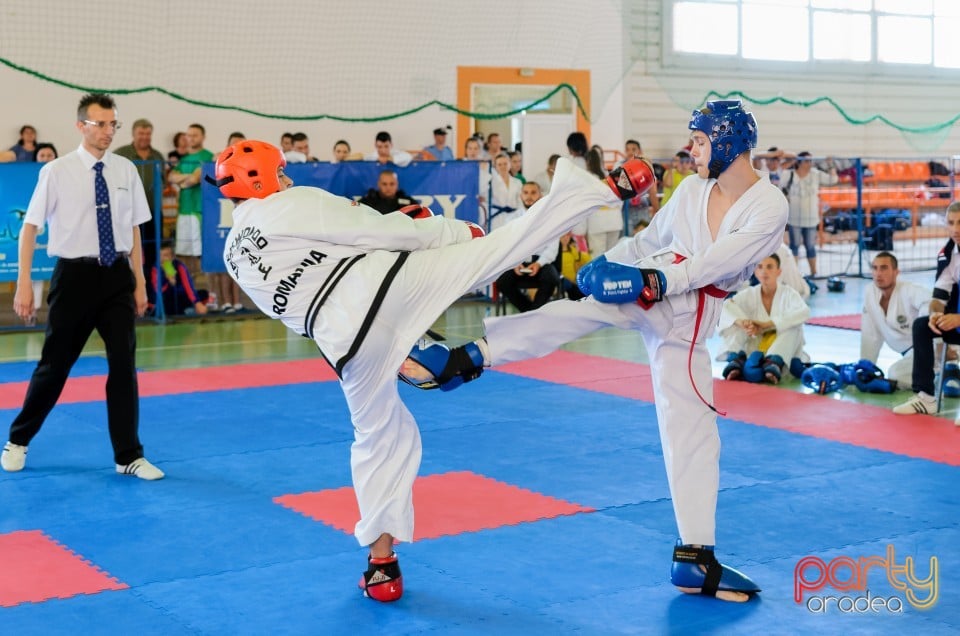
921, 436
846, 321
238, 376
446, 504
37, 568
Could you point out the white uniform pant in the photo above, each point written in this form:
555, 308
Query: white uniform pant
788, 344
688, 427
902, 371
385, 456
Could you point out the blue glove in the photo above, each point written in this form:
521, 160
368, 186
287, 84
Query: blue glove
584, 272
614, 283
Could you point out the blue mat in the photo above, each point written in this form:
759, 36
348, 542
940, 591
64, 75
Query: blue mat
21, 371
207, 551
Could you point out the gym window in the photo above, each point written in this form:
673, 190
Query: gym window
910, 35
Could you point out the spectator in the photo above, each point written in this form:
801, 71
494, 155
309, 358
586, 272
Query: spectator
388, 197
147, 158
681, 167
186, 176
940, 323
46, 153
545, 178
301, 149
516, 165
536, 271
227, 295
439, 151
286, 142
181, 147
26, 147
577, 148
505, 191
802, 187
570, 259
767, 318
605, 226
493, 147
472, 151
341, 152
642, 208
177, 292
385, 152
890, 307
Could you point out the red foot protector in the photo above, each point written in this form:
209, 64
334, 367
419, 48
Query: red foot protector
446, 504
37, 568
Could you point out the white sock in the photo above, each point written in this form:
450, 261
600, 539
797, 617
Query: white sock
484, 350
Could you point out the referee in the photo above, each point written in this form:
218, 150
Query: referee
92, 202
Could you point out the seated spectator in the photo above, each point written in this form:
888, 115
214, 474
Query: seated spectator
286, 142
767, 318
536, 272
26, 147
890, 307
300, 153
388, 197
177, 292
570, 259
342, 152
439, 151
385, 152
46, 152
942, 322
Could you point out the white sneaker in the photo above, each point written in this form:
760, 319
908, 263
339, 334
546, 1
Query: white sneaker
919, 403
141, 468
14, 457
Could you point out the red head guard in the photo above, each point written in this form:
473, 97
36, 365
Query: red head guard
248, 170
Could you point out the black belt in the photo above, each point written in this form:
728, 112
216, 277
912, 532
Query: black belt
93, 260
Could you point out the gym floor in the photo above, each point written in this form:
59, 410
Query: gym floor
542, 503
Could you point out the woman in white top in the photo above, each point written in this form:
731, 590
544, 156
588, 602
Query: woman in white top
802, 187
605, 226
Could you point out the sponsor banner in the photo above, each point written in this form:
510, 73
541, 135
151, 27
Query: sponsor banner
17, 181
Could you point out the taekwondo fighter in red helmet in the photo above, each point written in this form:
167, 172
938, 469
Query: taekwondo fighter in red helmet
365, 287
668, 282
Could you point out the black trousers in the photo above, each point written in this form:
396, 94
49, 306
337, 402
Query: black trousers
85, 296
923, 353
512, 286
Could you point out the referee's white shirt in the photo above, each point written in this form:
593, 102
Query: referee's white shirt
64, 200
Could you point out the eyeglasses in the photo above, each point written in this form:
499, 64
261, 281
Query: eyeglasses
115, 125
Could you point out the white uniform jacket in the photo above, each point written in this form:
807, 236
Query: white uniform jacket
314, 260
895, 328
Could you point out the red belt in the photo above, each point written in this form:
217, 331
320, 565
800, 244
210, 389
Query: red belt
702, 293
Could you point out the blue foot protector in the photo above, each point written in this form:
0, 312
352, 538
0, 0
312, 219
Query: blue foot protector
450, 367
687, 572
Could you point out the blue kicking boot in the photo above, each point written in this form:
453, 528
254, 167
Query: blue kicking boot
439, 367
697, 567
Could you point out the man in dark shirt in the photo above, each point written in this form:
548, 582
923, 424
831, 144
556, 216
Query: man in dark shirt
388, 197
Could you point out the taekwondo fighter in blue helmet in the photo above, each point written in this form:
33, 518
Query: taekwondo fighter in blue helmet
668, 282
365, 287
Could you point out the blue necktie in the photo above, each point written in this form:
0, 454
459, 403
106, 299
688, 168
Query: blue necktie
108, 250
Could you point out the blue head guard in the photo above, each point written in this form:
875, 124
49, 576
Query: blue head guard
731, 130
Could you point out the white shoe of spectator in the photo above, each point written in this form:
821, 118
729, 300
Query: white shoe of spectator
919, 403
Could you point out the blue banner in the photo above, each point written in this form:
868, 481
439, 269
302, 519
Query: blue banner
17, 181
447, 188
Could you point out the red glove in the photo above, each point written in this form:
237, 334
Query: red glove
416, 211
475, 230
